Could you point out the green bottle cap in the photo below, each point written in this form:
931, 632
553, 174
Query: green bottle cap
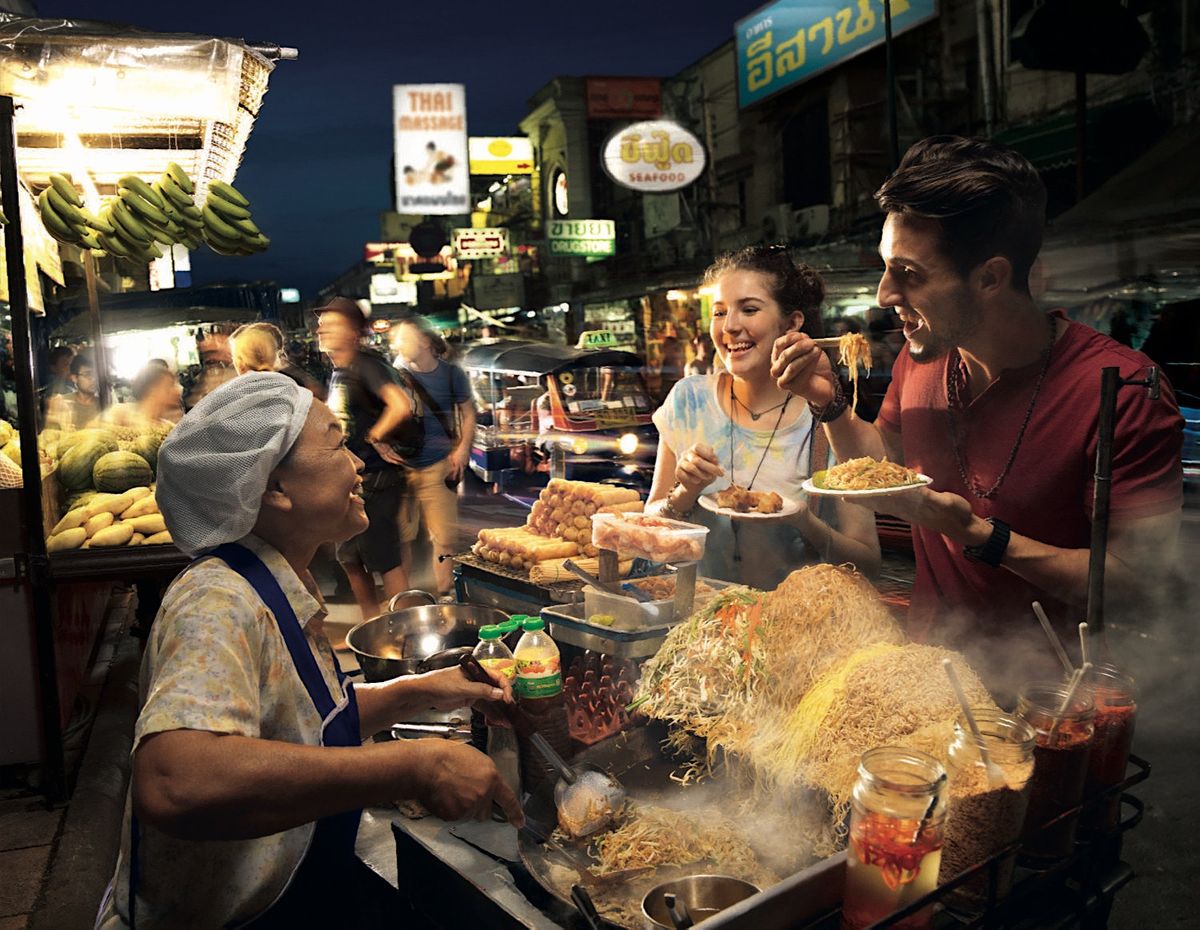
533, 624
509, 626
490, 632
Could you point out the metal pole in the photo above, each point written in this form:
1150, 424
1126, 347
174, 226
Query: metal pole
1110, 382
53, 765
893, 127
99, 357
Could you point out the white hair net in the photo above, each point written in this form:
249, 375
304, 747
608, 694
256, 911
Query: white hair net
213, 467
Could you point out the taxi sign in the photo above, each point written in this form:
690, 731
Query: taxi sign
597, 339
479, 243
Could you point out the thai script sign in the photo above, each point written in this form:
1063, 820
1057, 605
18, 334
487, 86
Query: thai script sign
791, 40
593, 238
654, 156
623, 98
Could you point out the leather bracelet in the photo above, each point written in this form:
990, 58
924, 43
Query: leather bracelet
834, 409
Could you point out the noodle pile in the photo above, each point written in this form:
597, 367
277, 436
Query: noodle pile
867, 474
657, 836
853, 350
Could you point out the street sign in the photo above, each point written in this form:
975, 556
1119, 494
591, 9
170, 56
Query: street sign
654, 156
500, 155
789, 41
598, 339
479, 243
592, 238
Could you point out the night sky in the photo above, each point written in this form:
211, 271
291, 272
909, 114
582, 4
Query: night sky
317, 165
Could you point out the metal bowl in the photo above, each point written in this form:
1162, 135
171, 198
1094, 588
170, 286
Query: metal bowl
418, 639
704, 896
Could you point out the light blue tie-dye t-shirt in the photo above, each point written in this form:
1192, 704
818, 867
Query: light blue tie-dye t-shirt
768, 549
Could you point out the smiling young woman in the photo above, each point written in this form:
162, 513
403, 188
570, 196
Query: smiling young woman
736, 426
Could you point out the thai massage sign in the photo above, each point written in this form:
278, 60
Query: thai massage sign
791, 40
653, 157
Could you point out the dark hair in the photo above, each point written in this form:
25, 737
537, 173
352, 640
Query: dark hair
61, 352
80, 361
147, 379
987, 199
438, 342
794, 287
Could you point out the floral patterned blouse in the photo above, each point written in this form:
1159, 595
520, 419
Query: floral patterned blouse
216, 661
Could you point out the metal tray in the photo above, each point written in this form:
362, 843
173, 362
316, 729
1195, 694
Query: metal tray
567, 624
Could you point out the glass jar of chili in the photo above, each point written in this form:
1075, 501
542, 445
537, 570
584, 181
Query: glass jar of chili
1060, 757
1115, 696
898, 813
985, 817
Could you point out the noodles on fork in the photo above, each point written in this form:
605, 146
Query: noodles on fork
854, 350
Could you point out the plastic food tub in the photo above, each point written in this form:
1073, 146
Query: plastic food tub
653, 538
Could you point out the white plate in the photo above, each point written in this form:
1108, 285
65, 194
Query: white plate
709, 502
813, 488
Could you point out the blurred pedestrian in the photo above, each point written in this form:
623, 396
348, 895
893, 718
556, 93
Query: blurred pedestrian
259, 347
59, 381
435, 471
81, 407
366, 395
702, 361
157, 399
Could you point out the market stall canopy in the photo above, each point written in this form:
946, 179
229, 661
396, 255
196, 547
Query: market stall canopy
100, 101
536, 358
1136, 235
147, 310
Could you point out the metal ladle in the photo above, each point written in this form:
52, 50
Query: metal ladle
587, 799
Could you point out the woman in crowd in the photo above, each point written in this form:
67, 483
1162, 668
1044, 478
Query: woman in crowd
442, 392
259, 347
737, 426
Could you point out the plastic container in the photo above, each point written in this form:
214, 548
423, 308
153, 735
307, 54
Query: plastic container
983, 818
539, 691
1060, 769
1115, 696
626, 613
897, 820
654, 538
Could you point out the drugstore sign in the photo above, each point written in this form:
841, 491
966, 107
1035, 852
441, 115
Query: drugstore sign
593, 238
792, 40
653, 157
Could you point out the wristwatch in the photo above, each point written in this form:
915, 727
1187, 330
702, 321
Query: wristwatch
991, 552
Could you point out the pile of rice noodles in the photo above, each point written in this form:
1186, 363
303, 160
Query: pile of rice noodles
748, 657
881, 695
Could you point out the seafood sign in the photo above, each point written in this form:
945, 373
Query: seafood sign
654, 156
791, 40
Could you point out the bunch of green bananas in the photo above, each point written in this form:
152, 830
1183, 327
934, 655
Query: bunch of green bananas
228, 228
66, 218
143, 216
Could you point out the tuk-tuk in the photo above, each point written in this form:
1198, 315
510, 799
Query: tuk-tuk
587, 408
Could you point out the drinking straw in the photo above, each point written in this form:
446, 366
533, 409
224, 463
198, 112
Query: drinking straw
933, 802
1053, 637
1083, 642
1072, 687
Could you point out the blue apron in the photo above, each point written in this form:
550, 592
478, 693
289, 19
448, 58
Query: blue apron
330, 855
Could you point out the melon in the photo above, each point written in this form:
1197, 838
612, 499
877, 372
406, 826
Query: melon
75, 468
119, 471
146, 446
6, 432
12, 449
69, 441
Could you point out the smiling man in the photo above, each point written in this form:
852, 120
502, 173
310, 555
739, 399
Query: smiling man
998, 402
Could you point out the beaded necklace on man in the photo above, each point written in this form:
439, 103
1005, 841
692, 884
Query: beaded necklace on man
954, 404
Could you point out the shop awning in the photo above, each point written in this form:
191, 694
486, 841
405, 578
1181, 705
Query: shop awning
1050, 143
146, 310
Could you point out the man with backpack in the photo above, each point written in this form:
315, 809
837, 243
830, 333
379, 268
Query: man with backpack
367, 395
442, 391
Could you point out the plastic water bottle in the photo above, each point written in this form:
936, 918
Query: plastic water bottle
501, 742
539, 694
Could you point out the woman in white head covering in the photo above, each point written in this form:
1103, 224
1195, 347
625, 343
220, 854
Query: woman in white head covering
248, 733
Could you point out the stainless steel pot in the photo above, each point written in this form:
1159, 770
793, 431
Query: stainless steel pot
418, 639
702, 895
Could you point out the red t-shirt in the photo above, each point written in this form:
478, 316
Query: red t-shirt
1047, 494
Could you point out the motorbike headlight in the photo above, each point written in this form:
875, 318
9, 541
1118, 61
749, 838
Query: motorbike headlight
628, 444
579, 446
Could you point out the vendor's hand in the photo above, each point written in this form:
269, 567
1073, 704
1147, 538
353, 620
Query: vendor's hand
385, 452
456, 782
800, 366
459, 459
449, 688
697, 469
940, 511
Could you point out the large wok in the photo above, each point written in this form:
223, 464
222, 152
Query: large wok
418, 639
637, 759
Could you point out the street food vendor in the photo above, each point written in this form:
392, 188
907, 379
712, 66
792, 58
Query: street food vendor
735, 426
997, 401
249, 770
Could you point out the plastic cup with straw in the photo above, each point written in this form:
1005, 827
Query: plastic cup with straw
1054, 640
1072, 686
995, 774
